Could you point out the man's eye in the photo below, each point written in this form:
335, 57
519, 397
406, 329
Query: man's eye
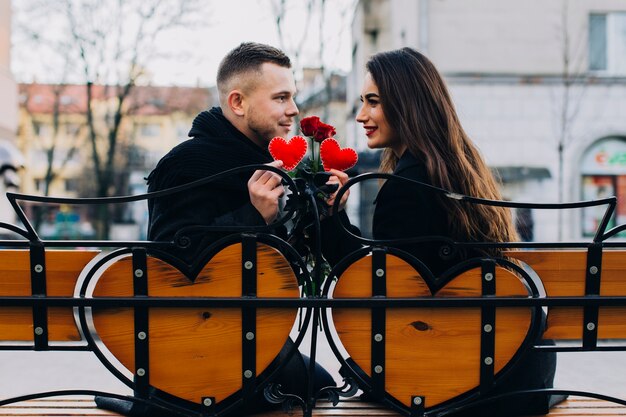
281, 98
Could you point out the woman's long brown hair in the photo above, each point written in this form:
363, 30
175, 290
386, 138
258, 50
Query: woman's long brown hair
417, 106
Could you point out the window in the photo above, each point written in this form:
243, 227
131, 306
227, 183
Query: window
72, 129
603, 172
607, 42
150, 129
71, 184
66, 100
39, 184
41, 129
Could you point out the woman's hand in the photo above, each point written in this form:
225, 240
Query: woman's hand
338, 177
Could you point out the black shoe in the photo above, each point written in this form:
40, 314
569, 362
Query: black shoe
131, 408
556, 399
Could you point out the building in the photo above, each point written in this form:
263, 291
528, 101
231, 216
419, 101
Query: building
54, 139
10, 158
324, 97
528, 78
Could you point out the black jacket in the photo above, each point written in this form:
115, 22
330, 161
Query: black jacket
216, 146
405, 210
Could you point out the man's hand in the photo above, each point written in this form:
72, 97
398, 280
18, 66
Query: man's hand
265, 190
338, 177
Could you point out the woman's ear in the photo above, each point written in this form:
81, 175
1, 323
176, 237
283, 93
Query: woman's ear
235, 102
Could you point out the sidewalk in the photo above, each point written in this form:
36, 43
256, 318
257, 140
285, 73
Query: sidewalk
30, 372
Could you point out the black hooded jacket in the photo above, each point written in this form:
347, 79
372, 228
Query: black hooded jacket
215, 146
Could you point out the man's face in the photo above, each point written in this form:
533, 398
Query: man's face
269, 105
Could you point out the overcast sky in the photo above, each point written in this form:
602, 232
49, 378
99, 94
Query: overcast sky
193, 56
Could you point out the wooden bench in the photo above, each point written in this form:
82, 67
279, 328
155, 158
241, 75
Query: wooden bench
79, 407
206, 338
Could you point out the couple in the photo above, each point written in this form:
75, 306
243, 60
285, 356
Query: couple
406, 111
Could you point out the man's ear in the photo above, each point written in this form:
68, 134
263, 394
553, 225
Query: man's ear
235, 102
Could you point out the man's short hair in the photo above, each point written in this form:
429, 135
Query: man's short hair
248, 57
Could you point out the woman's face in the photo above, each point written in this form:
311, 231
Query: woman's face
379, 133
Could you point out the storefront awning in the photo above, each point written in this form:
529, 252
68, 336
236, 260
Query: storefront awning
516, 174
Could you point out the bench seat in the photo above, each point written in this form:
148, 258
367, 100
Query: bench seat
84, 406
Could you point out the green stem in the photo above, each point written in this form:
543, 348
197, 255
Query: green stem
313, 159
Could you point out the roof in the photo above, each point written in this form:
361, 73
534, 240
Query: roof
144, 100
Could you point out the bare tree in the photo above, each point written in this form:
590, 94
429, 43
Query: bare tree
573, 75
109, 45
315, 12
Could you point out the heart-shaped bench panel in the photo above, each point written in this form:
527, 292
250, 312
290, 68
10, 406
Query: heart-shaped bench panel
430, 352
196, 352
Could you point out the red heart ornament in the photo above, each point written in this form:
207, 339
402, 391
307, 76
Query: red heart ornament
333, 157
290, 152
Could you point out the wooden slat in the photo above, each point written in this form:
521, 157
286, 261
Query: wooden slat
77, 407
562, 273
572, 407
62, 270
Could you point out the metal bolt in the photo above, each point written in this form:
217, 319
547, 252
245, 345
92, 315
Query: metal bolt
248, 373
249, 335
380, 272
38, 268
38, 331
141, 372
141, 335
378, 337
417, 400
488, 328
593, 270
138, 273
207, 402
488, 360
591, 326
378, 369
248, 265
488, 276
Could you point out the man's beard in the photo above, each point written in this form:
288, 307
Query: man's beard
264, 130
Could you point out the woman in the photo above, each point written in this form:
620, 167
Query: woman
407, 112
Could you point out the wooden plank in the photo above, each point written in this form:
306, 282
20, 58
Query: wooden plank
75, 407
562, 273
62, 270
572, 407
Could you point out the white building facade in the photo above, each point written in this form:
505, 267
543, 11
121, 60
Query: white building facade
526, 76
10, 158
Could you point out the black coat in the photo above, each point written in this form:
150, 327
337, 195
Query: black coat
405, 210
216, 146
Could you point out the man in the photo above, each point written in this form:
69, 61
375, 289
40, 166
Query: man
256, 91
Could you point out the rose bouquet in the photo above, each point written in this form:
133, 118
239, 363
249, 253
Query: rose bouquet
308, 163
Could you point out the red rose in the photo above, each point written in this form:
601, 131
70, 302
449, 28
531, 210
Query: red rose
309, 125
324, 131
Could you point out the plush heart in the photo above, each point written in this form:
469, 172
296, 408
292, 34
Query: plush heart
196, 351
290, 152
431, 352
333, 157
